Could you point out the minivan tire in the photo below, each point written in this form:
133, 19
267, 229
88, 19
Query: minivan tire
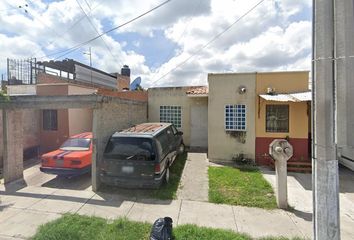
167, 176
181, 148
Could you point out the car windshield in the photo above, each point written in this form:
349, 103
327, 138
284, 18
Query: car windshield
76, 144
126, 148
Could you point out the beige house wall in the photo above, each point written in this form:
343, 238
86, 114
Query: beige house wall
223, 90
174, 96
80, 120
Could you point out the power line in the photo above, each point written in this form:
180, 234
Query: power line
71, 27
94, 27
88, 4
74, 48
211, 41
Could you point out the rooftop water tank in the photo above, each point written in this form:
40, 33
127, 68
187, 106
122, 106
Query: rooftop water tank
125, 71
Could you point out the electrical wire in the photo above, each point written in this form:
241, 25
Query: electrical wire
96, 30
71, 27
74, 48
210, 42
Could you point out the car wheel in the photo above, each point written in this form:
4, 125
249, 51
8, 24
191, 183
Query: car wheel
181, 148
167, 175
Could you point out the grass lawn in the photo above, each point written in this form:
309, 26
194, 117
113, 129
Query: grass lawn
240, 186
76, 227
169, 191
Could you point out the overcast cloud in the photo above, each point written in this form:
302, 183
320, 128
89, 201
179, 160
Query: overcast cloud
274, 36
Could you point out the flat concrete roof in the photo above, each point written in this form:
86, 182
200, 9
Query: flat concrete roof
61, 102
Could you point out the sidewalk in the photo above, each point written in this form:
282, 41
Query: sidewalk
23, 211
300, 199
194, 181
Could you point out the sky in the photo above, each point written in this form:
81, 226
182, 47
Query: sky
167, 47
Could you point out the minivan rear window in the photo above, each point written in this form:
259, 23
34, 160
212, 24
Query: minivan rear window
126, 148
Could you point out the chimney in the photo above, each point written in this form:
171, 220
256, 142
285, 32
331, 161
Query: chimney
123, 79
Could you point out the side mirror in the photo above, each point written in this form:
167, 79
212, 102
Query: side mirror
179, 133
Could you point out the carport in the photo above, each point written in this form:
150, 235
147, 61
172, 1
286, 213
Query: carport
109, 115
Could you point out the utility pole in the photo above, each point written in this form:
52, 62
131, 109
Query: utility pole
325, 182
89, 53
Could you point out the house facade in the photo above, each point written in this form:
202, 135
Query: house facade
45, 130
239, 114
231, 98
184, 107
280, 115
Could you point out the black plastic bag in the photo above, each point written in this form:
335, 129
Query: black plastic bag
162, 229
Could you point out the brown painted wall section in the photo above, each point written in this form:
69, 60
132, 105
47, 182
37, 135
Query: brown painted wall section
51, 140
300, 145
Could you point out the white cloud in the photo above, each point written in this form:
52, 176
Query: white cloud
265, 40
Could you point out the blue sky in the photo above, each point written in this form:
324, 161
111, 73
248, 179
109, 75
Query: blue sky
275, 36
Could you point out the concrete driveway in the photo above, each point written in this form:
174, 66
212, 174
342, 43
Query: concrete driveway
300, 198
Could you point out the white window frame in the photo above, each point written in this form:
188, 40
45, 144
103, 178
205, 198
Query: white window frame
170, 118
235, 122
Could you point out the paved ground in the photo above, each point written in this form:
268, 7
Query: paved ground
41, 198
300, 198
194, 183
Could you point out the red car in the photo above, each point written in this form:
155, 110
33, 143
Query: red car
72, 158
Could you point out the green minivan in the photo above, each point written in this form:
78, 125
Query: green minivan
141, 156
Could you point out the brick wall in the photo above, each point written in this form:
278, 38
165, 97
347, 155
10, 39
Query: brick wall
123, 82
48, 78
112, 117
129, 95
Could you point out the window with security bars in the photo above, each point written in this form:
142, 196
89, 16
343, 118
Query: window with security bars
171, 114
235, 117
277, 118
50, 120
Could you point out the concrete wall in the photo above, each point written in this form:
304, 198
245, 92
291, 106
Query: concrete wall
12, 147
223, 90
173, 96
21, 90
112, 117
31, 132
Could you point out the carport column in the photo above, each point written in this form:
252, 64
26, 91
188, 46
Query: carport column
97, 148
12, 145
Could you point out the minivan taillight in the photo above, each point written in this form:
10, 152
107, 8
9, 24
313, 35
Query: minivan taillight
157, 168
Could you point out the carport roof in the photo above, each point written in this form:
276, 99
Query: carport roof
288, 97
